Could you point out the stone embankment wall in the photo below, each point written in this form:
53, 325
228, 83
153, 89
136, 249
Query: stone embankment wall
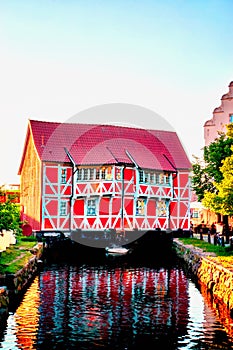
4, 301
12, 285
217, 279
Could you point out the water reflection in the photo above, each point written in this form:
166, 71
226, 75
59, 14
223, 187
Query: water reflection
70, 306
22, 325
104, 305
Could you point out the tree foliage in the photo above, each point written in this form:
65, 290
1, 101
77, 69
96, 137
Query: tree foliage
213, 177
10, 217
214, 155
223, 200
200, 179
206, 171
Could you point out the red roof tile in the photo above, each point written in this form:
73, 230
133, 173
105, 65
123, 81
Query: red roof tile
94, 144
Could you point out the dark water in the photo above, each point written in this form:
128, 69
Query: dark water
116, 303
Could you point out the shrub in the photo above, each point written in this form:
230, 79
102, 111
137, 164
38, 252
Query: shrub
10, 217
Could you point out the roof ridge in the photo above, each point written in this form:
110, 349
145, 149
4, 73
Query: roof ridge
101, 125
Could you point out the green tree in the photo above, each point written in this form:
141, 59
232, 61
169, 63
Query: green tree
10, 217
206, 172
222, 201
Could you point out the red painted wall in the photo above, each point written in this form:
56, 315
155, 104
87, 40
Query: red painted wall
108, 210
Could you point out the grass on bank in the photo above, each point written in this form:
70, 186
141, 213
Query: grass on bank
208, 247
224, 255
16, 256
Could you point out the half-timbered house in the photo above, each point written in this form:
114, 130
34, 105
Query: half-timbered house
93, 177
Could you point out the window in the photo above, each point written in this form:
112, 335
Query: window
152, 177
92, 173
161, 179
97, 174
85, 174
63, 175
141, 206
118, 173
162, 208
91, 206
79, 174
103, 173
108, 173
195, 214
167, 179
231, 118
146, 178
63, 208
141, 172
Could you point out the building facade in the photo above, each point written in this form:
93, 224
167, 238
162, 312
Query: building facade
100, 177
10, 192
222, 116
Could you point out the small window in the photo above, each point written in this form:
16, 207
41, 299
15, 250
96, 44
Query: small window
152, 178
161, 179
195, 214
63, 208
141, 206
85, 174
92, 174
103, 175
118, 173
162, 208
97, 174
147, 176
231, 118
79, 174
108, 173
141, 175
63, 175
167, 179
91, 206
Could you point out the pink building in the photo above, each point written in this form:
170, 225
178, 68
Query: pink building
222, 115
100, 177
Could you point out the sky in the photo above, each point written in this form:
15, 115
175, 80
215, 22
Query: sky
61, 57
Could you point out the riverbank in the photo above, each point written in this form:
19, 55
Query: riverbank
213, 272
13, 285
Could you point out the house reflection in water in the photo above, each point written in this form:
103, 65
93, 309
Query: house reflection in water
101, 305
71, 307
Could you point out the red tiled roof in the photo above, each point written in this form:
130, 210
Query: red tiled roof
94, 144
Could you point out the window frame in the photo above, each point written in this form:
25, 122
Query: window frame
63, 208
63, 175
160, 209
151, 177
141, 208
91, 207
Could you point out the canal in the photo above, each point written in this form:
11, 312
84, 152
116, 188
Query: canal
114, 302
